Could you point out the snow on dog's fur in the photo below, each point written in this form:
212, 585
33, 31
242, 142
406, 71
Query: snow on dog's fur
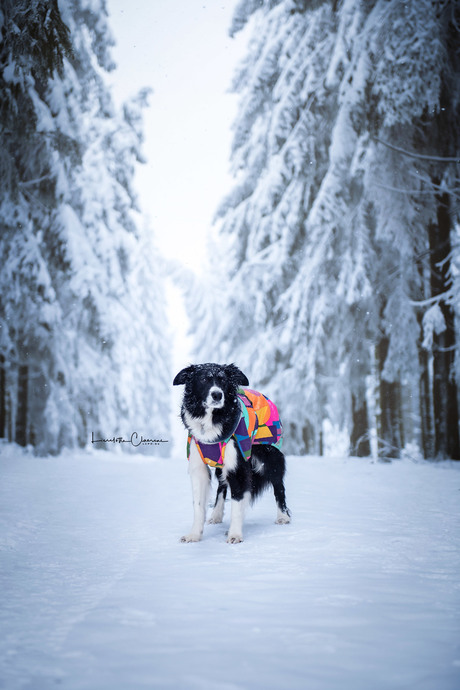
211, 411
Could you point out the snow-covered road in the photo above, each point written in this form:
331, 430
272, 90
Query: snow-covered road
360, 592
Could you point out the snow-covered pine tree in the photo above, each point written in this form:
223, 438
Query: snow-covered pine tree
34, 43
442, 139
328, 223
279, 164
78, 341
285, 218
414, 97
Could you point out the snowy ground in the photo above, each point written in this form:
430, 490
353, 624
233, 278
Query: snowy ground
360, 592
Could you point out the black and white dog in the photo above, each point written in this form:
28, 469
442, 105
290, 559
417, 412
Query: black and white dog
212, 411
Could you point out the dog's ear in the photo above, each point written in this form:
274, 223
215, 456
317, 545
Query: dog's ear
236, 375
184, 375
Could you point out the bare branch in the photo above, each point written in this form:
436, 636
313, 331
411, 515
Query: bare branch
415, 191
402, 191
421, 156
29, 183
426, 302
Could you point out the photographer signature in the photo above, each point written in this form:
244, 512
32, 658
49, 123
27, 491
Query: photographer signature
135, 440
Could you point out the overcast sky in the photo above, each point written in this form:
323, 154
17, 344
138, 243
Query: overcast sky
181, 49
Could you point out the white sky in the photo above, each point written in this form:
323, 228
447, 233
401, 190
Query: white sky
181, 49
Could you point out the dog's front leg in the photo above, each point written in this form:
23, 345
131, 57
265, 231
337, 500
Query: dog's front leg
200, 477
239, 479
238, 507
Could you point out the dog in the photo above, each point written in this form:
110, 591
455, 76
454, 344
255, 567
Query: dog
238, 432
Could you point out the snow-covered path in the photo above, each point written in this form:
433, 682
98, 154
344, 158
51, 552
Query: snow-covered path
360, 592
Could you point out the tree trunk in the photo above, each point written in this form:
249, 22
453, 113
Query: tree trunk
21, 414
3, 431
359, 437
445, 401
390, 434
308, 438
426, 405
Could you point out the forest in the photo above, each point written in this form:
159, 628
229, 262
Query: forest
333, 266
82, 322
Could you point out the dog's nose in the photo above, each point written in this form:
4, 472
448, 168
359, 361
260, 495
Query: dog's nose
216, 395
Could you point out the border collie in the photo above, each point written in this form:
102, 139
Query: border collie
238, 432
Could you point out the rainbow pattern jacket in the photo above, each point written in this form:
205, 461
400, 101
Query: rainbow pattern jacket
259, 423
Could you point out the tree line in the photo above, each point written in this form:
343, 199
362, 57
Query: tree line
336, 253
82, 324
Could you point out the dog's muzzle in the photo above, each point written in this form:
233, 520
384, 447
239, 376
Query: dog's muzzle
215, 398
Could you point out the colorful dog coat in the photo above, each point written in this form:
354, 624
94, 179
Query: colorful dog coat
259, 423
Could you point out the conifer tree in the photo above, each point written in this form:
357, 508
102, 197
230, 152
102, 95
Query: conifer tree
80, 354
328, 247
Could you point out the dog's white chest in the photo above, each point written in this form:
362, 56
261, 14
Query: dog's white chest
203, 428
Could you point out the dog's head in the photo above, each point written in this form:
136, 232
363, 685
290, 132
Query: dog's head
211, 385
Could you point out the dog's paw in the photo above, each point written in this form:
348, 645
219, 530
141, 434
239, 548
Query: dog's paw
234, 539
283, 519
188, 538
